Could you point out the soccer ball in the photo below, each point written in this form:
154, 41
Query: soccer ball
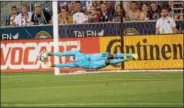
42, 56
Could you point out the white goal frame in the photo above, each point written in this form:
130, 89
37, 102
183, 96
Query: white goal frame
55, 34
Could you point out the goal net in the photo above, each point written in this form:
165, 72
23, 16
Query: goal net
155, 51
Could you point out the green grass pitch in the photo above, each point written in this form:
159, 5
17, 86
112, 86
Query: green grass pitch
104, 89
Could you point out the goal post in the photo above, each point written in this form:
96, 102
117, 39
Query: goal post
55, 33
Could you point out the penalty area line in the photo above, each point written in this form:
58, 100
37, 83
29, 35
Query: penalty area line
123, 71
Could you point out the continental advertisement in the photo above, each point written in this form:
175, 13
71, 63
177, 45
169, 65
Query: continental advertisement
154, 51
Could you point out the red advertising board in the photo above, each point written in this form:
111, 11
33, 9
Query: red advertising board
21, 55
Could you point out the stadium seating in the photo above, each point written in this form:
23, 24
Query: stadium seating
177, 9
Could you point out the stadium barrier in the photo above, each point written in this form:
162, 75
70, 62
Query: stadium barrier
155, 51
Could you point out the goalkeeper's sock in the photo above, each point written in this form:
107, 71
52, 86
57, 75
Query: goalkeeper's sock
50, 54
55, 54
59, 65
120, 55
116, 61
53, 65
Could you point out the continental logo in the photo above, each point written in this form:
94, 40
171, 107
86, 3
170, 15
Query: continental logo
43, 35
114, 46
131, 31
146, 51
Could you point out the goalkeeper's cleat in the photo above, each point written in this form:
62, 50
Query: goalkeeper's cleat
49, 65
135, 56
126, 58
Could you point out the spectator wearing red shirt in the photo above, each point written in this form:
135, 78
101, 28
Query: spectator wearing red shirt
93, 15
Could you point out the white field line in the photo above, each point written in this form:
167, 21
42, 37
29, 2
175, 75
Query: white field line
90, 72
89, 104
123, 71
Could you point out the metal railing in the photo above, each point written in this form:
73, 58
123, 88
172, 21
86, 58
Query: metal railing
89, 23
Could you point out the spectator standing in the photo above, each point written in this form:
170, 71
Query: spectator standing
105, 15
144, 12
79, 17
154, 13
93, 15
165, 24
23, 18
10, 21
134, 13
64, 17
40, 17
120, 13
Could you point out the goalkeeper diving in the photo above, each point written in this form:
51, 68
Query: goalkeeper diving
87, 61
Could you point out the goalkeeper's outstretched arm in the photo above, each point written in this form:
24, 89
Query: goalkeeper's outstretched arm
67, 53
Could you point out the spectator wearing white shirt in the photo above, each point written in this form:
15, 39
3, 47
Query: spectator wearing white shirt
165, 24
10, 21
79, 17
23, 18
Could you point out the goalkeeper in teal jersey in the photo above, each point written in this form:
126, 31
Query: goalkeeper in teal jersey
90, 61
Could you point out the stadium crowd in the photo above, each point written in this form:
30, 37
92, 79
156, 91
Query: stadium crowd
79, 12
